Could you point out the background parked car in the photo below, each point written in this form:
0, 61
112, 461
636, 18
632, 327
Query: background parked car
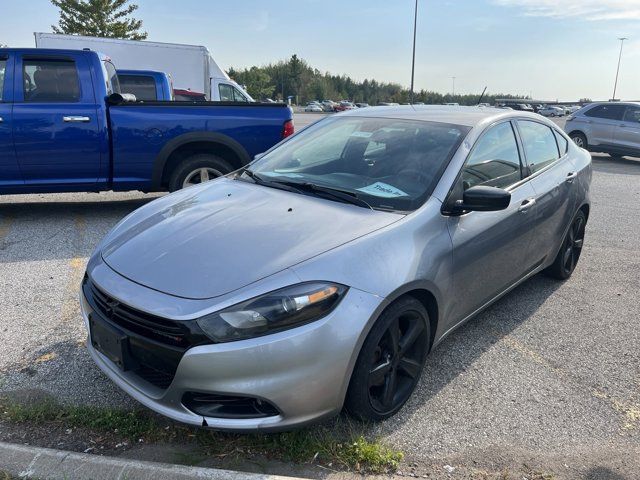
313, 107
551, 111
344, 105
521, 106
329, 105
609, 127
362, 105
181, 95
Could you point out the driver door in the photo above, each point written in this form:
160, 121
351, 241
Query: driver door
491, 250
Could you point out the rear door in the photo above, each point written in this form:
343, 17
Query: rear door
55, 120
491, 250
552, 176
9, 172
601, 122
627, 133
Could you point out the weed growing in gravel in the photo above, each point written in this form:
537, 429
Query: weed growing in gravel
339, 444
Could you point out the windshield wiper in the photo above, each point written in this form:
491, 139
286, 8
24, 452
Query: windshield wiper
344, 195
267, 183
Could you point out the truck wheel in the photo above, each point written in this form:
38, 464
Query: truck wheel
197, 169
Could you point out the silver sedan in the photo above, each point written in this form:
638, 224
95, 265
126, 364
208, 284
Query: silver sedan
322, 274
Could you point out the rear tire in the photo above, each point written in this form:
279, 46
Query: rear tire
390, 362
569, 254
579, 139
197, 169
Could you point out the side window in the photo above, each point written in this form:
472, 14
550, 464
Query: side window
632, 114
539, 143
226, 92
49, 80
3, 69
606, 111
563, 144
238, 96
494, 160
142, 86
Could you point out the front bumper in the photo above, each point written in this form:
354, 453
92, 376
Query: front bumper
304, 371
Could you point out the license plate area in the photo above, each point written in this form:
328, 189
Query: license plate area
112, 342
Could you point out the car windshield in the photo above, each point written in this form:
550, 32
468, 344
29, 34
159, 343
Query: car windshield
391, 164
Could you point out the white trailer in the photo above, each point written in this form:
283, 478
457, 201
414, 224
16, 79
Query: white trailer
191, 67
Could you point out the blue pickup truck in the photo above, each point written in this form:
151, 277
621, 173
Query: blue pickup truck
64, 127
146, 85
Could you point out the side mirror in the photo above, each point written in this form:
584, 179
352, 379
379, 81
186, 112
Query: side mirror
484, 199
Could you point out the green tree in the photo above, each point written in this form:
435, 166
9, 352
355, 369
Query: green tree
98, 18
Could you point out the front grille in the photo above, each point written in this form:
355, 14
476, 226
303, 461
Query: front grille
149, 326
155, 344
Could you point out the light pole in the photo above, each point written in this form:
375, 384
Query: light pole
413, 58
615, 85
453, 86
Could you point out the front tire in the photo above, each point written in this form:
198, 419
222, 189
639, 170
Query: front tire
569, 254
390, 362
197, 169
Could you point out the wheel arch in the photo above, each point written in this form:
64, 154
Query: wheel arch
425, 292
193, 143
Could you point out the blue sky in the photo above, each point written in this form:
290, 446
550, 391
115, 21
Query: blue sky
551, 49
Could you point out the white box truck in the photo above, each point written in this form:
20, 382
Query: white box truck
191, 67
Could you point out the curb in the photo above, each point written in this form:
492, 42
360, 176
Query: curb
48, 464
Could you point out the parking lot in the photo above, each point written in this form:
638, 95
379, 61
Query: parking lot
549, 376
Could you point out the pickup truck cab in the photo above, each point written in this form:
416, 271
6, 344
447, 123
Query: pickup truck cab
65, 128
146, 85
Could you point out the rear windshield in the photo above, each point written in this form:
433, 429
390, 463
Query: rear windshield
391, 164
142, 86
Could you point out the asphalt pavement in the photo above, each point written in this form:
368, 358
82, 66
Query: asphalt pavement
550, 373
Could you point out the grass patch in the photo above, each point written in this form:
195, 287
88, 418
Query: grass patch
340, 444
132, 425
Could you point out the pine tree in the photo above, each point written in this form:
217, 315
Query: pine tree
98, 18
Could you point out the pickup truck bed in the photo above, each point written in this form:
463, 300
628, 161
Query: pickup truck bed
61, 129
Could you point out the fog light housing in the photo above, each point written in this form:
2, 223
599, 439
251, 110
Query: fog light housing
228, 406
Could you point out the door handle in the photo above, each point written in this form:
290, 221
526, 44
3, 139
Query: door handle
76, 119
571, 176
526, 205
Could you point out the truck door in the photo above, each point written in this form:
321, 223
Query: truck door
9, 171
55, 120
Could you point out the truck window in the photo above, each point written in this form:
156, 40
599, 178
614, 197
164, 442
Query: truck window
3, 69
226, 92
239, 97
142, 86
113, 84
50, 80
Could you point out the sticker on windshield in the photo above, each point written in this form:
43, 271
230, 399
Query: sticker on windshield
361, 134
380, 189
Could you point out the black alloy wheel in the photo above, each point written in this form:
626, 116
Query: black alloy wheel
390, 362
569, 254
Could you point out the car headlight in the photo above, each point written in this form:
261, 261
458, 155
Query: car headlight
273, 312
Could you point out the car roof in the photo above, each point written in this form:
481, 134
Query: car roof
613, 103
467, 116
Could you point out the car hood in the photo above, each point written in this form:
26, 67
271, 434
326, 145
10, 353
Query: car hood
210, 240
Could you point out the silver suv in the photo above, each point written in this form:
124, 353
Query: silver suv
609, 127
